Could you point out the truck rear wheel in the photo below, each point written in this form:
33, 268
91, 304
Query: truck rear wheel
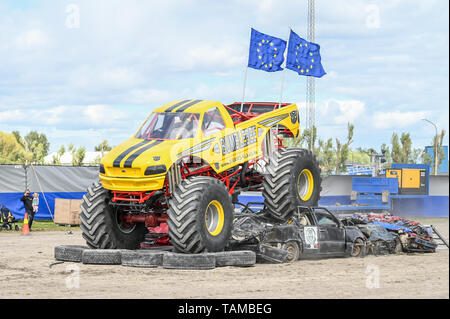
101, 223
200, 215
292, 179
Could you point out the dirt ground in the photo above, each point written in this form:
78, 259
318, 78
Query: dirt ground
25, 273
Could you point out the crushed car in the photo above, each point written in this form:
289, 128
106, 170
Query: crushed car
393, 234
312, 232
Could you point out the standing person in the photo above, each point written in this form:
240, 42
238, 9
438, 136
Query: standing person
27, 200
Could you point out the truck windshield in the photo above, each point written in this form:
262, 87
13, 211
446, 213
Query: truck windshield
169, 126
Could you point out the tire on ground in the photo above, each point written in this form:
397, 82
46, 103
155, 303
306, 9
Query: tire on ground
293, 249
142, 258
359, 248
239, 258
292, 180
69, 252
189, 261
100, 226
200, 215
101, 256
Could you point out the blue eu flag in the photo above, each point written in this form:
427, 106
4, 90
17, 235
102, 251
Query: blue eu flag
266, 52
303, 57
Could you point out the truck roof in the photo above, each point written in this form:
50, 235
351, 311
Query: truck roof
197, 106
187, 106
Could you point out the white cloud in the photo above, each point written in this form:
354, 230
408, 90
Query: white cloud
102, 115
341, 111
67, 116
396, 119
350, 111
32, 39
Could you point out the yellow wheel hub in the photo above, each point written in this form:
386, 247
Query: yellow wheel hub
305, 184
214, 218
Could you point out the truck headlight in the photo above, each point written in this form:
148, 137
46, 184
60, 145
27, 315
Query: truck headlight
154, 170
102, 169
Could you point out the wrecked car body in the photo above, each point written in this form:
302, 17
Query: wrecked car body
310, 233
393, 234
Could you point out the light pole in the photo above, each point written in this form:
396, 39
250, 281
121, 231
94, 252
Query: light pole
434, 146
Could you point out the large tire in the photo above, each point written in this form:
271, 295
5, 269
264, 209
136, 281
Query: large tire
101, 256
69, 252
200, 215
189, 261
100, 226
238, 258
142, 258
292, 180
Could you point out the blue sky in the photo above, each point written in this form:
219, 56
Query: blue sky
387, 64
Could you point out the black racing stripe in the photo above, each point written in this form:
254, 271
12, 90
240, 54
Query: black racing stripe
171, 108
128, 163
126, 152
184, 107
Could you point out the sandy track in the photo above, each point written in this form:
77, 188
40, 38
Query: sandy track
25, 272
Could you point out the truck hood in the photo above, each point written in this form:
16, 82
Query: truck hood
138, 153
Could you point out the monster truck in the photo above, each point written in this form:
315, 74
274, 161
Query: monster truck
177, 178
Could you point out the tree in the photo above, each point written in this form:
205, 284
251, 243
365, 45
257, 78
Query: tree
71, 148
37, 144
326, 155
103, 147
401, 149
417, 155
387, 155
359, 157
10, 149
78, 156
342, 150
57, 158
405, 139
19, 138
437, 145
440, 140
96, 161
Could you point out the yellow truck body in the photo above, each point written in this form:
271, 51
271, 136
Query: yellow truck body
141, 164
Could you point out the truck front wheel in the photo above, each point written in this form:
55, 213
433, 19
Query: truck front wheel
102, 226
200, 215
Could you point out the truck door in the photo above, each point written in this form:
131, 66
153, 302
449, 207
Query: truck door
331, 234
213, 126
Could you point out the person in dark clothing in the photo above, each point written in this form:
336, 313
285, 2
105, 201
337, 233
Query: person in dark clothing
27, 200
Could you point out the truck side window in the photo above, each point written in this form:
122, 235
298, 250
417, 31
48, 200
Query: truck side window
212, 122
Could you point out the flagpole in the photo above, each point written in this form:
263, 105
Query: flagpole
243, 89
283, 72
282, 86
245, 74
